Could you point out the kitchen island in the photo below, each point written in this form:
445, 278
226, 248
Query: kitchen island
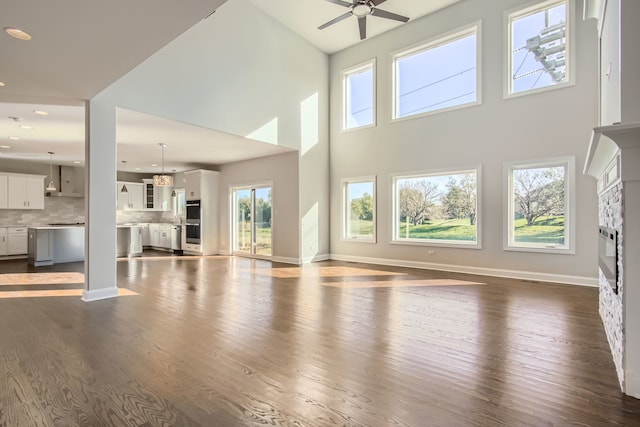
53, 244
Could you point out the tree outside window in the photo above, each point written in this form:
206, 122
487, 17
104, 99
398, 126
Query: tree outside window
437, 208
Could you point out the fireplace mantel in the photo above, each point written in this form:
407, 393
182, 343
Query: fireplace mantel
606, 142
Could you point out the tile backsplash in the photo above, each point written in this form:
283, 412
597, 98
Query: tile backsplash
69, 210
56, 210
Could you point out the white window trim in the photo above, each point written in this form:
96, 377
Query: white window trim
345, 216
441, 39
569, 203
371, 63
506, 53
395, 240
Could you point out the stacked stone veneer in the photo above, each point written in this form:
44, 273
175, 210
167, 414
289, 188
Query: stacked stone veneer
56, 210
611, 207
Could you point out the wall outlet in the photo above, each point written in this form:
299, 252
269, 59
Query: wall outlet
431, 252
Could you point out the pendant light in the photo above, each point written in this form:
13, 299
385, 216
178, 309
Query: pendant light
51, 186
124, 169
162, 180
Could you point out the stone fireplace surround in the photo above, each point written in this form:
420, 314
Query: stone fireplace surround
614, 160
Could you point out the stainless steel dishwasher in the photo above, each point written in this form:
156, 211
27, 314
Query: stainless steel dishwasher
176, 238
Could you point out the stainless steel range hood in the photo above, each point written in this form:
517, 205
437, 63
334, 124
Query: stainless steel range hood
71, 182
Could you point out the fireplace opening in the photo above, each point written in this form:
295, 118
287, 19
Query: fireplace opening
608, 256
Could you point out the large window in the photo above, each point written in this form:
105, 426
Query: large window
359, 201
437, 208
539, 205
538, 53
358, 88
439, 75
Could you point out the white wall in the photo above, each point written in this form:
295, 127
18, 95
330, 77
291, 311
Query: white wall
240, 71
280, 170
550, 124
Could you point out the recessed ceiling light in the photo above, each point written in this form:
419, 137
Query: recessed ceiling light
15, 138
137, 169
154, 165
17, 33
4, 146
2, 84
25, 127
77, 162
41, 113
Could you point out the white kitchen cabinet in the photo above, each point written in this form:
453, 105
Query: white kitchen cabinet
192, 187
4, 244
156, 198
3, 191
133, 199
154, 235
165, 237
17, 241
146, 236
25, 192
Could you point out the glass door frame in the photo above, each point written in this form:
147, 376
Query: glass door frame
233, 215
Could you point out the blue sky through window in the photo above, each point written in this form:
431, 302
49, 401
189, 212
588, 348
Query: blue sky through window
359, 102
438, 77
527, 72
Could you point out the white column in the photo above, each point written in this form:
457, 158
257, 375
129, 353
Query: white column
100, 201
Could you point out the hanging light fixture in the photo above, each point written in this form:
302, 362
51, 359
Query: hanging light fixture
124, 169
51, 186
163, 180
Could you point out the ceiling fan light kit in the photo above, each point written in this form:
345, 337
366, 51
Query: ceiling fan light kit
361, 9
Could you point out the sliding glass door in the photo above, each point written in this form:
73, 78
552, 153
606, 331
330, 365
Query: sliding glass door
252, 220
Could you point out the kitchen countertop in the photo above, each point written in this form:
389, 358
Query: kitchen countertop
53, 227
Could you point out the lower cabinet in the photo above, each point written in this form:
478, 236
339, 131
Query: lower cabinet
4, 243
13, 241
159, 236
17, 241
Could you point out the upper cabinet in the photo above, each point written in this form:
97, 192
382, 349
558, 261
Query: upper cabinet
3, 191
192, 185
22, 191
132, 198
156, 198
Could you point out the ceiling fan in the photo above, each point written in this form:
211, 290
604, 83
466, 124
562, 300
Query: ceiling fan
361, 9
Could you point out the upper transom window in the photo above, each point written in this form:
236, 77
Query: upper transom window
538, 54
439, 75
358, 90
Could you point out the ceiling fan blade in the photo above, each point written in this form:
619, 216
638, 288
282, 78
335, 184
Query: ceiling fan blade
333, 21
384, 14
377, 2
342, 3
362, 25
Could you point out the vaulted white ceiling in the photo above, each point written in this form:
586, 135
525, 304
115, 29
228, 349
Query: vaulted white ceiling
80, 47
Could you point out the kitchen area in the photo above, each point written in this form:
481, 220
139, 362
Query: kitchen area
42, 214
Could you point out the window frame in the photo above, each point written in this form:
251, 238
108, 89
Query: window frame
345, 182
526, 10
569, 201
345, 74
431, 43
462, 244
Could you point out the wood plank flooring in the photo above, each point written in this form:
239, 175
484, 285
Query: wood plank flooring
223, 341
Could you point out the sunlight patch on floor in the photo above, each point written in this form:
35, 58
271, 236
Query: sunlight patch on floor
57, 278
56, 293
400, 283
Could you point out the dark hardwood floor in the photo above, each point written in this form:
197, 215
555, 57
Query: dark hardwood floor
223, 341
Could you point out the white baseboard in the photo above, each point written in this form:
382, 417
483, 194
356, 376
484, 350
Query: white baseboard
316, 258
632, 385
511, 274
98, 294
286, 260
